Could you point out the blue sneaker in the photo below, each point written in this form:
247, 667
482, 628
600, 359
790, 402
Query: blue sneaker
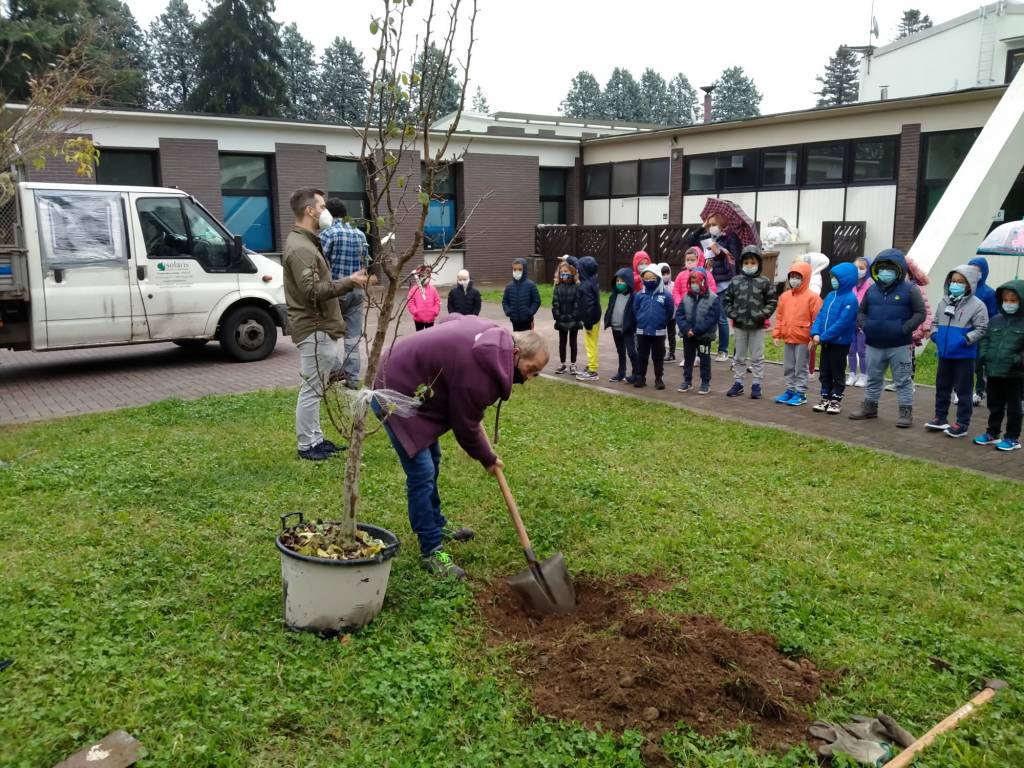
985, 439
785, 397
798, 398
957, 430
736, 390
317, 453
755, 391
1007, 444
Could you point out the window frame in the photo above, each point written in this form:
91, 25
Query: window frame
797, 148
744, 187
242, 192
152, 154
230, 268
641, 174
920, 202
347, 194
805, 165
611, 180
852, 160
608, 187
1010, 53
560, 199
449, 198
686, 174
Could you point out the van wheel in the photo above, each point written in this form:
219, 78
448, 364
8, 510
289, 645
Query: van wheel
191, 343
248, 334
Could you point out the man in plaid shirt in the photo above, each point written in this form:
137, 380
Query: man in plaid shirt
346, 250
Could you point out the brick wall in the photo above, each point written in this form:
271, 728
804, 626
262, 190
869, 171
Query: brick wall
675, 188
295, 166
193, 166
502, 227
57, 171
906, 187
574, 193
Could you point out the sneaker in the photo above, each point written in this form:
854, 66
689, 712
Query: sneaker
684, 387
682, 363
670, 359
659, 383
834, 406
440, 563
891, 387
957, 430
572, 369
722, 357
317, 453
822, 405
954, 399
861, 381
337, 376
561, 368
755, 391
798, 399
736, 390
704, 389
331, 447
618, 377
978, 397
785, 396
462, 533
1008, 445
587, 376
850, 379
639, 382
631, 379
985, 439
937, 425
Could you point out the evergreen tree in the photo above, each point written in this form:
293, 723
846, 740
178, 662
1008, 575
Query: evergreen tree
173, 57
445, 97
480, 102
912, 22
583, 98
681, 104
344, 85
621, 97
240, 61
839, 83
735, 96
653, 98
300, 74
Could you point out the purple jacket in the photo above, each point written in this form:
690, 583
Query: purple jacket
467, 364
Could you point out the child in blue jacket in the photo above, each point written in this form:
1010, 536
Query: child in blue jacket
834, 330
653, 310
697, 320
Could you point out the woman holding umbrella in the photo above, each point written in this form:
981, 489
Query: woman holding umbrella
727, 229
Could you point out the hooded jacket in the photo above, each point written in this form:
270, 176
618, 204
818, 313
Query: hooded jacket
960, 324
424, 303
638, 284
720, 267
837, 318
565, 300
984, 292
819, 263
653, 310
1002, 348
521, 299
682, 283
889, 314
628, 318
750, 299
590, 293
468, 363
919, 277
699, 313
465, 301
798, 307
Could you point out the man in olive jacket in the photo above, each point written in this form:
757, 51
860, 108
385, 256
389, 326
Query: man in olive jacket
314, 317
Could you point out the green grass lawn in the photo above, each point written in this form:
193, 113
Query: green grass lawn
141, 587
545, 289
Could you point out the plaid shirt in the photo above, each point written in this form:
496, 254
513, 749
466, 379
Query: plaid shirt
345, 249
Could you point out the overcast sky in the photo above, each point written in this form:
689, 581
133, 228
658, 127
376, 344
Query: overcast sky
529, 50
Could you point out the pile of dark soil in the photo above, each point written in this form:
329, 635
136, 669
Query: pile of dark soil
607, 666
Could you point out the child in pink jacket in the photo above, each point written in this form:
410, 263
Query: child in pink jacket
693, 258
424, 301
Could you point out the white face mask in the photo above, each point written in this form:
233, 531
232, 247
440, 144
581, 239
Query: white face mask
714, 231
325, 219
796, 282
464, 283
861, 273
517, 275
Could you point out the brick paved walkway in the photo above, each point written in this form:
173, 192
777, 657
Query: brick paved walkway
36, 386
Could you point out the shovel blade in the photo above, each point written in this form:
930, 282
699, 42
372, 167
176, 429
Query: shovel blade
546, 586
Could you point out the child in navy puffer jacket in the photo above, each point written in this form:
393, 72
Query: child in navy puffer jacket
697, 321
833, 330
653, 311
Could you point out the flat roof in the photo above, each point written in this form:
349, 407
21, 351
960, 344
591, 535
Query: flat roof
936, 29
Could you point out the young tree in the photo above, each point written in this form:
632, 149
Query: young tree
621, 97
480, 102
300, 74
344, 85
912, 22
583, 98
653, 98
173, 56
839, 84
240, 61
682, 104
436, 76
735, 96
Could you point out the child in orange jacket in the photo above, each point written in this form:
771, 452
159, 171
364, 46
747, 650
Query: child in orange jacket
797, 309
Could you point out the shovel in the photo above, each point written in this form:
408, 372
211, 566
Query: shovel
545, 586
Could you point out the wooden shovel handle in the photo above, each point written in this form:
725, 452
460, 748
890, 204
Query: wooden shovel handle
906, 757
513, 509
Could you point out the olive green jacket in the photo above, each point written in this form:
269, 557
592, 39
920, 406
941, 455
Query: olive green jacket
309, 290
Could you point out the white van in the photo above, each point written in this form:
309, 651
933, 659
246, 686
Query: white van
86, 266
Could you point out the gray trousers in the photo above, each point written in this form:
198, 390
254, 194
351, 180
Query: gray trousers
899, 360
749, 343
352, 310
795, 358
317, 352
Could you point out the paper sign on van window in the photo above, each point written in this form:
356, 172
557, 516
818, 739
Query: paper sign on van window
81, 229
173, 273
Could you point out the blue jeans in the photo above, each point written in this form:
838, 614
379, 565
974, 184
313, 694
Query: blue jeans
424, 503
723, 322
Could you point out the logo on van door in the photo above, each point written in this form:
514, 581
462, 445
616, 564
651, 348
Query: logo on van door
173, 273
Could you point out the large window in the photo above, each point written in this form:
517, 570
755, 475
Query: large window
442, 214
345, 182
597, 181
654, 177
737, 170
1014, 59
825, 164
874, 160
129, 167
633, 178
700, 174
779, 167
941, 156
625, 179
245, 187
176, 228
552, 196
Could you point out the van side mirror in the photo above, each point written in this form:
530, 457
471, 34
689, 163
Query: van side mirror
237, 249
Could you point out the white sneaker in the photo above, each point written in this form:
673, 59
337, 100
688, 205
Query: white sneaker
850, 378
977, 399
890, 387
862, 380
682, 362
722, 357
954, 399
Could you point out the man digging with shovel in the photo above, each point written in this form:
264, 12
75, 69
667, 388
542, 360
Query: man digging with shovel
458, 369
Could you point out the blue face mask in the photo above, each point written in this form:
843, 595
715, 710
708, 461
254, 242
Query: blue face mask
886, 275
1010, 308
956, 290
651, 284
835, 284
565, 276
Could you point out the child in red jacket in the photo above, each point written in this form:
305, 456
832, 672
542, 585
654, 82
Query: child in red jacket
424, 301
797, 309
